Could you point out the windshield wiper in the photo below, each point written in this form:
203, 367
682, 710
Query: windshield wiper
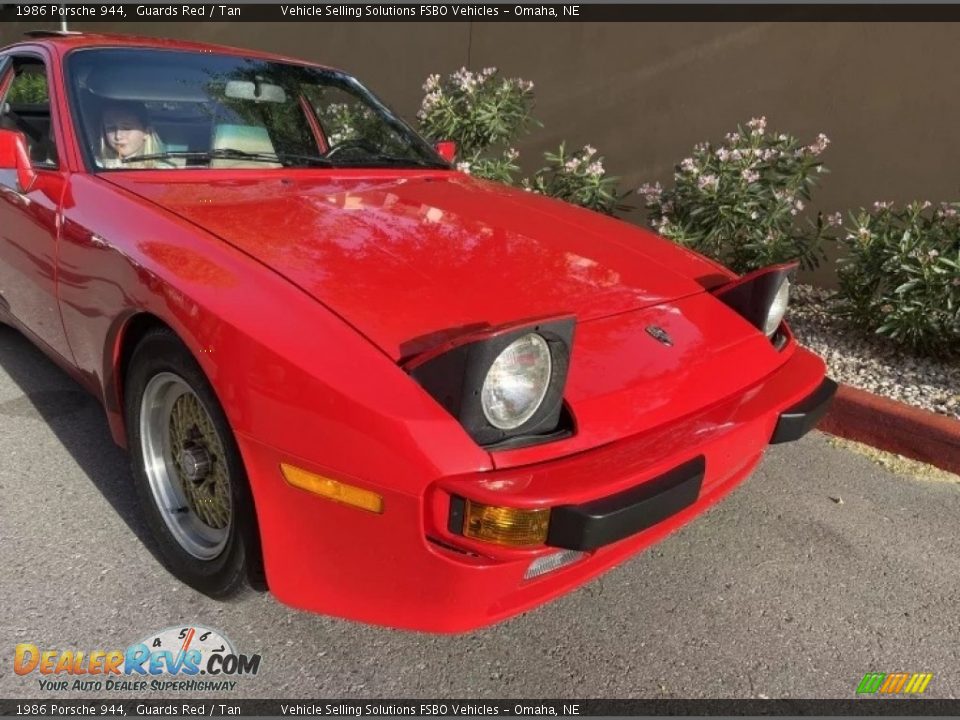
230, 154
387, 159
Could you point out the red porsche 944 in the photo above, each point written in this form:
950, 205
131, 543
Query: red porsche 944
351, 374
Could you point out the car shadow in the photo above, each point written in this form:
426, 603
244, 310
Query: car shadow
79, 423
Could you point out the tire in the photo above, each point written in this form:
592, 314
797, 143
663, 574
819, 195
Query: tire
187, 470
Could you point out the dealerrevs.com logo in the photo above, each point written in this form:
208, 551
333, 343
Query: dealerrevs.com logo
188, 659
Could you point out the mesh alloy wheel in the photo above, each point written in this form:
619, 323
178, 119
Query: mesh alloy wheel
184, 460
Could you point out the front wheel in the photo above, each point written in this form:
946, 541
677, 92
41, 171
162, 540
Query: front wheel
187, 469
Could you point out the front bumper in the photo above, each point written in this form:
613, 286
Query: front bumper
405, 568
606, 520
804, 416
609, 519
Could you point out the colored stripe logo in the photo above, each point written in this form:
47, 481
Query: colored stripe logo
894, 683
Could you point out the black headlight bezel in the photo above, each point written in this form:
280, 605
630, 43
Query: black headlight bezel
454, 378
752, 295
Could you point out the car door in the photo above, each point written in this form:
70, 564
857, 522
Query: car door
29, 217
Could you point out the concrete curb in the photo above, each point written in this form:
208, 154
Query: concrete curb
892, 426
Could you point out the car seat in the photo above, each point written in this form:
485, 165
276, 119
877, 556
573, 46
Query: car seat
246, 138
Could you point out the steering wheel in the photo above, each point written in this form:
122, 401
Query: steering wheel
352, 144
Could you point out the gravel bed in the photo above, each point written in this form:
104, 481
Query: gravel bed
870, 362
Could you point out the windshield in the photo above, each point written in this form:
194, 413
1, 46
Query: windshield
157, 109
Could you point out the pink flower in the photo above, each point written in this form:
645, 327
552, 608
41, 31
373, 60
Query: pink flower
595, 169
947, 211
429, 101
708, 182
819, 145
757, 125
651, 193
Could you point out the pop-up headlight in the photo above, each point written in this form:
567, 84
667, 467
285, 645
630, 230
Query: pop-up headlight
761, 297
505, 386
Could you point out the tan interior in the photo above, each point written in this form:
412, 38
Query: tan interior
246, 138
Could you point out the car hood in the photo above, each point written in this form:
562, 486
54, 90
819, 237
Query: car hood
415, 258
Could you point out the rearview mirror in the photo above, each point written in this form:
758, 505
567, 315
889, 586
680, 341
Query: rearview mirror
447, 149
14, 156
259, 91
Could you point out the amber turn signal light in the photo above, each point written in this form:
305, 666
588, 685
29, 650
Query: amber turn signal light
504, 525
332, 489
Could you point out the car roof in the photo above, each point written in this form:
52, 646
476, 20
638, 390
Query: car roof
63, 42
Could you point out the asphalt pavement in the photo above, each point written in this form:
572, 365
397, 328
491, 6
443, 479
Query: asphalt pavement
780, 591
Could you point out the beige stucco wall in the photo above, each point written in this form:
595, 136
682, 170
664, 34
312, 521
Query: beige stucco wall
644, 93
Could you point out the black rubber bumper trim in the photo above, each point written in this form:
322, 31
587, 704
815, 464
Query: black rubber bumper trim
803, 417
606, 520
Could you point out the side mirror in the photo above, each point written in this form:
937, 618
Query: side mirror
15, 156
447, 150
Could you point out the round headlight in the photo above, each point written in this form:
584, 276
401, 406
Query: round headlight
777, 308
517, 382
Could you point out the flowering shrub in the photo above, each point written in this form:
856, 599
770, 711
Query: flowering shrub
738, 201
901, 277
477, 110
499, 168
484, 113
578, 178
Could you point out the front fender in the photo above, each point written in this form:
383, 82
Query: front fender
287, 371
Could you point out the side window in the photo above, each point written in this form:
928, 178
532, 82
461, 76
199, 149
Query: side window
26, 108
